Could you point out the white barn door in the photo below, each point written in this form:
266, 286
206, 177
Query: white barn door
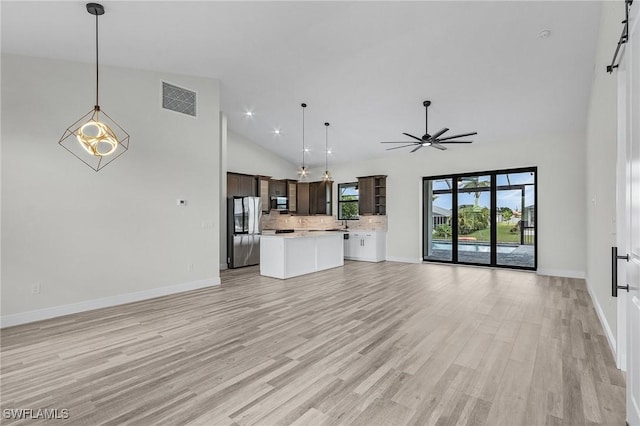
630, 133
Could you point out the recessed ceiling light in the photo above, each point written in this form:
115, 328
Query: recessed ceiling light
544, 34
306, 150
249, 113
276, 131
329, 152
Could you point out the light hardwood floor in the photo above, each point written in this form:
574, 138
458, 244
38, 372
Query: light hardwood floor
367, 344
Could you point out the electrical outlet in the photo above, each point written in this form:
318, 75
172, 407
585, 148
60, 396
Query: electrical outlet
35, 288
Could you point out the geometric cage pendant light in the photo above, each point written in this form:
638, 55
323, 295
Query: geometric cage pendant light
303, 171
95, 138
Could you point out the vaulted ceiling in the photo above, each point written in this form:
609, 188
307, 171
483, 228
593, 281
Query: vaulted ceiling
365, 67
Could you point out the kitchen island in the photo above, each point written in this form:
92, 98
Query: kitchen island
299, 253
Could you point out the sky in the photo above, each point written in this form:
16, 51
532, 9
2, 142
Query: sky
506, 198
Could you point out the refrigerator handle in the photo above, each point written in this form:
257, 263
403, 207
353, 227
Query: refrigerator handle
245, 215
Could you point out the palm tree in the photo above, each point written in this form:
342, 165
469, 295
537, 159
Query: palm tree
474, 182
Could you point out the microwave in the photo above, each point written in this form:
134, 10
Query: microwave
279, 203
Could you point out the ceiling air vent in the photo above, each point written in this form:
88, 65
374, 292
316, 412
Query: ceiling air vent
178, 99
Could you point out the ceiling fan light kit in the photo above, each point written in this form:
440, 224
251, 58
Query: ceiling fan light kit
434, 141
95, 138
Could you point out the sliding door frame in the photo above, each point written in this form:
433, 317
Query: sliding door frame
455, 178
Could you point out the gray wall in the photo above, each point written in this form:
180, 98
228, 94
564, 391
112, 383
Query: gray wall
561, 172
90, 239
600, 205
245, 156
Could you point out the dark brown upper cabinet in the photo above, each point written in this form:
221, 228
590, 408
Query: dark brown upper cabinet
263, 193
277, 188
241, 185
372, 194
292, 195
323, 197
302, 196
314, 198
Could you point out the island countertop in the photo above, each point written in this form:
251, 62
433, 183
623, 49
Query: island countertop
292, 254
302, 234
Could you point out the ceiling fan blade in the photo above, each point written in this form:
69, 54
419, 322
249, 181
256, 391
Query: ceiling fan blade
403, 146
458, 136
438, 133
415, 137
402, 142
454, 141
417, 148
438, 146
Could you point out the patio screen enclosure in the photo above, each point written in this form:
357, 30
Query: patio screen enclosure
481, 218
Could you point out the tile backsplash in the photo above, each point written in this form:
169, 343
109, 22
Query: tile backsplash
275, 220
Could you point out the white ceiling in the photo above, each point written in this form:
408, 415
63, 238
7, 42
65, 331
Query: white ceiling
365, 67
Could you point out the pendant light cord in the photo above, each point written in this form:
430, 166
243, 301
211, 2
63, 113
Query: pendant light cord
303, 108
97, 71
326, 147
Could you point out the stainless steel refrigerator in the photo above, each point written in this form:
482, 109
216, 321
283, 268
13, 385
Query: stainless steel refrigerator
243, 239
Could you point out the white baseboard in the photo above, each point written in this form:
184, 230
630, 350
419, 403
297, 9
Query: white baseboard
105, 302
562, 273
403, 259
603, 320
223, 266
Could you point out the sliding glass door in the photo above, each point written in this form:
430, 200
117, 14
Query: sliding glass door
516, 219
438, 209
474, 219
486, 218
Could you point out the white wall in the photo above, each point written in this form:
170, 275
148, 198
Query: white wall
90, 237
224, 133
600, 159
560, 162
244, 156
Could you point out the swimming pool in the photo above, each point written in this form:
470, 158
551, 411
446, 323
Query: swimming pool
478, 248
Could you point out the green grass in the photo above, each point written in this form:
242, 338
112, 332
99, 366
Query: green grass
504, 236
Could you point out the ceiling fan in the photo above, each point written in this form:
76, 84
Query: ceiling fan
434, 141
